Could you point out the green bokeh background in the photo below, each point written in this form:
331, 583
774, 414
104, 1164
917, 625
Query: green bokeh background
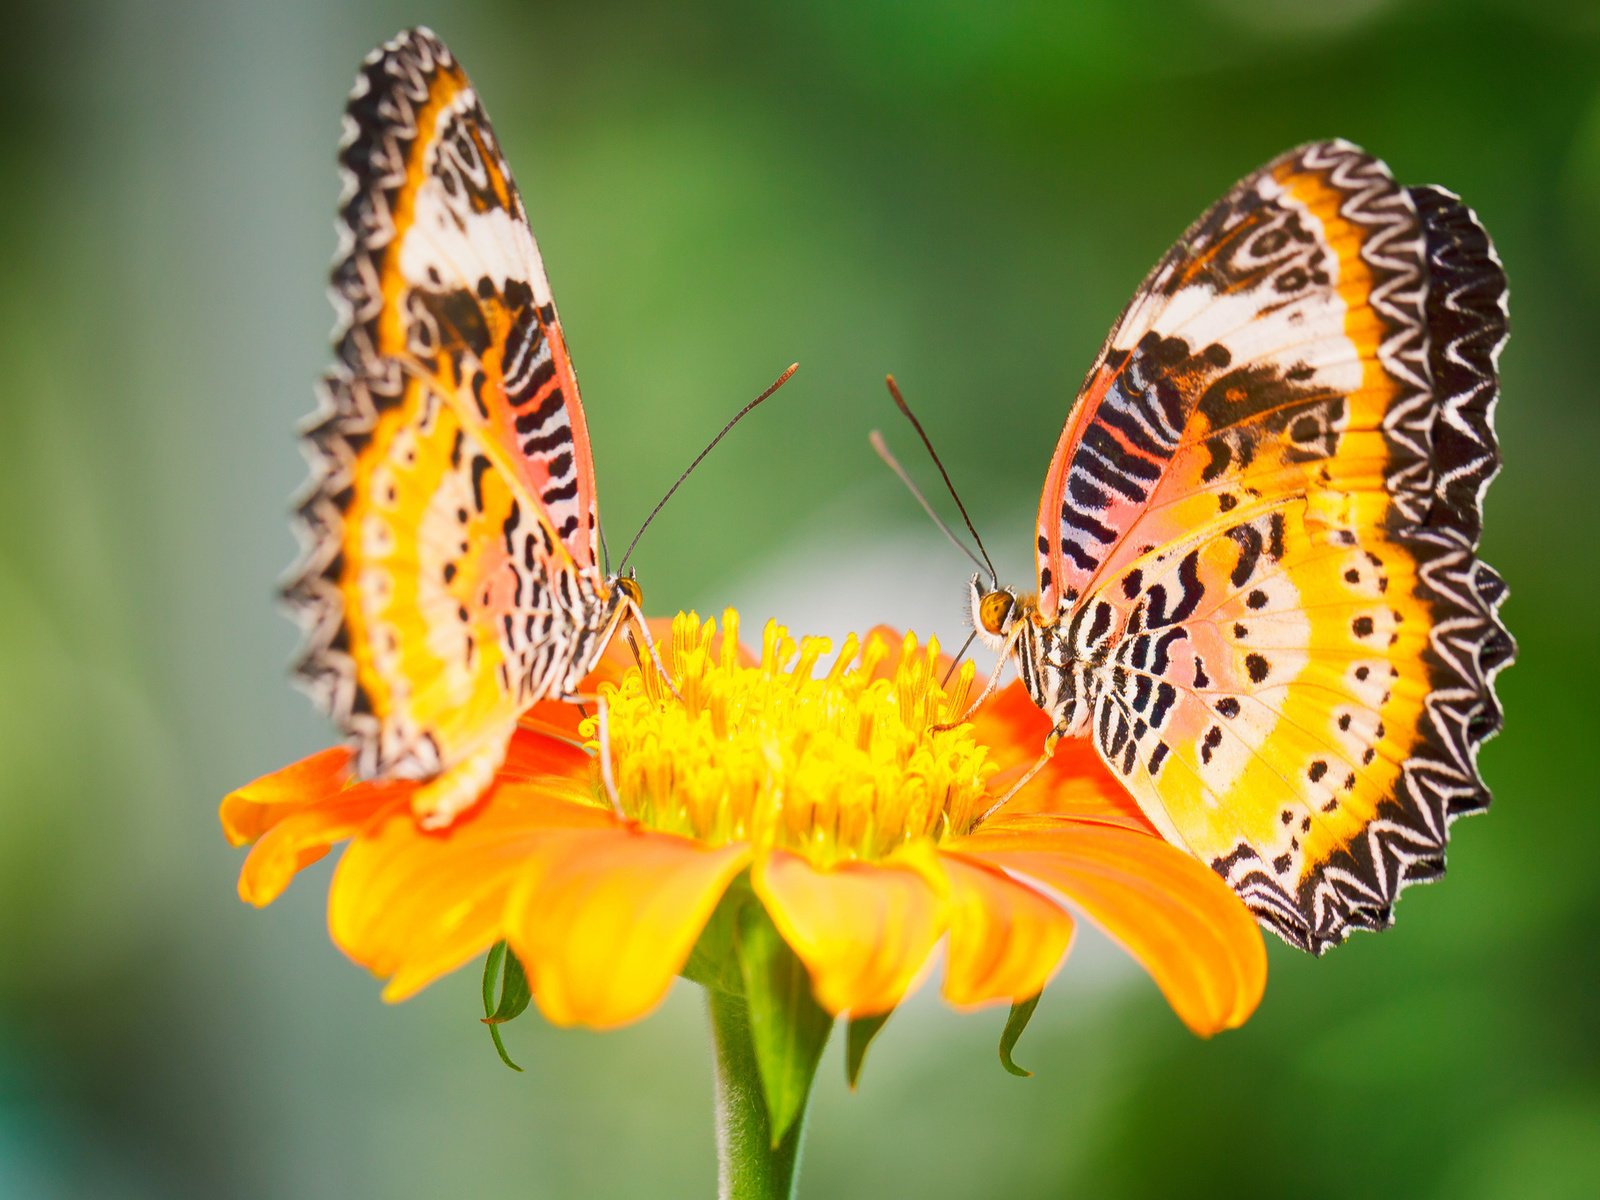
963, 194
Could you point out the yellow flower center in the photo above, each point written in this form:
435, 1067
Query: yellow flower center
833, 764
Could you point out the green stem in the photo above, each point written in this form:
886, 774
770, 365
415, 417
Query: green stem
749, 1166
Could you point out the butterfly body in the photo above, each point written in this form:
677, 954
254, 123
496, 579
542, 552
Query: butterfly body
1060, 663
451, 575
1258, 586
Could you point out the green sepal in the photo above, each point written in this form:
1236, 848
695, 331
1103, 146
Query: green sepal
788, 1028
1016, 1022
862, 1031
514, 994
714, 961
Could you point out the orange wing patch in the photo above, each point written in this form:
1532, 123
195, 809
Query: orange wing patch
434, 594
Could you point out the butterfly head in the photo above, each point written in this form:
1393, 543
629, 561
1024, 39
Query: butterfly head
995, 611
626, 590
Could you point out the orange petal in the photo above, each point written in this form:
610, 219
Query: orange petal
1013, 724
604, 919
295, 814
532, 755
250, 811
863, 930
1006, 940
1075, 782
412, 905
1171, 912
303, 835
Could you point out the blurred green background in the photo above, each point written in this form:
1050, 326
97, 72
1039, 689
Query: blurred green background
963, 194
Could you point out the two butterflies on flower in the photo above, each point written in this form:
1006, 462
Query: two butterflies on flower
1258, 664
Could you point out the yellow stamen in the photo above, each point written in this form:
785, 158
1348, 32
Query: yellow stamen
835, 766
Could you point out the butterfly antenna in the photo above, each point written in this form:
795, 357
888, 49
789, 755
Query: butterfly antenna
955, 662
900, 401
605, 553
737, 417
882, 450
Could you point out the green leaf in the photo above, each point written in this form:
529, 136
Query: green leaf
788, 1029
862, 1031
491, 969
514, 991
1016, 1022
514, 995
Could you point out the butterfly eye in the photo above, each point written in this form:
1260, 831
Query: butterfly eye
630, 588
995, 610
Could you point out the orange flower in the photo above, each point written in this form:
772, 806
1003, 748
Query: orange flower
859, 823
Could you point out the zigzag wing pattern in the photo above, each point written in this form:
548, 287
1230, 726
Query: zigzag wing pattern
1468, 644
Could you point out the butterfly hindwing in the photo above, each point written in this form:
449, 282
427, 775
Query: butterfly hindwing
1270, 726
450, 578
1272, 488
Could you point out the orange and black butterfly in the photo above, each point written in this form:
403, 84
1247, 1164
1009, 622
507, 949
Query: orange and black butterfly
451, 577
1259, 593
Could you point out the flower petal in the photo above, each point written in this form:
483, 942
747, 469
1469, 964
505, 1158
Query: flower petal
412, 905
1006, 940
604, 919
295, 814
532, 755
301, 836
864, 930
250, 811
1170, 911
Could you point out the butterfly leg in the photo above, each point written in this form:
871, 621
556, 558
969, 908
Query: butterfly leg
545, 729
607, 775
1050, 743
638, 622
580, 700
989, 688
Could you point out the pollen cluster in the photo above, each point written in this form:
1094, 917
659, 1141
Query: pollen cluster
835, 762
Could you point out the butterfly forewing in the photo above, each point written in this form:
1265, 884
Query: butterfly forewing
450, 578
1272, 489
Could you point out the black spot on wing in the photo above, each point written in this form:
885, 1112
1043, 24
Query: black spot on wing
1250, 542
480, 466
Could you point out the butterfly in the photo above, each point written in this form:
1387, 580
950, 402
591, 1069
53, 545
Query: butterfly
1259, 593
450, 577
